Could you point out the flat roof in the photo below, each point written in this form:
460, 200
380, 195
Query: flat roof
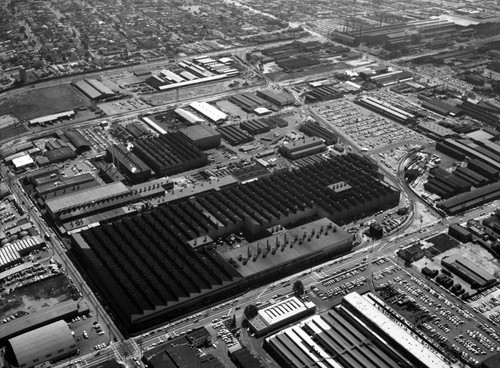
199, 131
22, 161
86, 196
282, 310
390, 328
289, 254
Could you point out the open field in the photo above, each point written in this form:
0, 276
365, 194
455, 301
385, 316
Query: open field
43, 101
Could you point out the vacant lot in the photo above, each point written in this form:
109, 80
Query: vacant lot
39, 295
44, 101
10, 127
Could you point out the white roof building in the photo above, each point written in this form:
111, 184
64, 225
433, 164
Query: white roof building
209, 111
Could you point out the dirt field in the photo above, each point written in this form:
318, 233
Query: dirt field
36, 296
44, 101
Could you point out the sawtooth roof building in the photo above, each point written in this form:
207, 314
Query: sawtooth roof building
176, 269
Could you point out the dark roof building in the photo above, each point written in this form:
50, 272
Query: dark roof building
302, 148
148, 284
468, 271
128, 163
234, 135
202, 136
313, 129
169, 153
64, 186
180, 354
48, 343
463, 202
78, 140
60, 154
243, 358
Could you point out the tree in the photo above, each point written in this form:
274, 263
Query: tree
298, 288
251, 311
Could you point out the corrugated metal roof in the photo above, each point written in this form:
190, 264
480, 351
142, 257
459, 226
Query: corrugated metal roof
37, 344
77, 139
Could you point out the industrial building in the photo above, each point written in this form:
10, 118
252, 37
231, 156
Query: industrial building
255, 126
472, 177
468, 148
465, 201
212, 113
128, 163
34, 348
52, 118
276, 97
78, 141
234, 135
369, 310
342, 339
460, 233
302, 148
60, 311
169, 154
202, 136
60, 154
179, 353
314, 129
280, 314
94, 89
12, 253
274, 121
386, 109
188, 116
59, 186
323, 93
388, 79
141, 291
445, 184
243, 358
468, 271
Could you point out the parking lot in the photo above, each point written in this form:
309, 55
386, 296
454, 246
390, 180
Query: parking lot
367, 130
446, 323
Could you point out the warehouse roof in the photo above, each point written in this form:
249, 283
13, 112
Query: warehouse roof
85, 196
88, 90
39, 318
413, 346
189, 116
22, 161
77, 139
209, 111
199, 131
42, 341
